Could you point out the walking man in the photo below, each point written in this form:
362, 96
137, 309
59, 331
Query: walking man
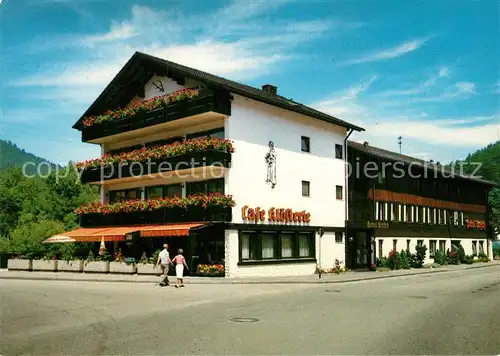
164, 261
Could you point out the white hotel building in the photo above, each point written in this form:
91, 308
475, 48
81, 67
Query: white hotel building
305, 171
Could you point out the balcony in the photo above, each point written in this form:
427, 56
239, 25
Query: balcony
206, 104
211, 208
157, 162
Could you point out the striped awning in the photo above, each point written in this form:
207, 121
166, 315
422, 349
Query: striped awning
171, 229
119, 233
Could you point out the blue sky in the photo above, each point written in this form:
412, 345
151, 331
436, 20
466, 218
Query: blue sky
424, 70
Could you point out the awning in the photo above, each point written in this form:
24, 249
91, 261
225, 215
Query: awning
94, 234
171, 229
118, 233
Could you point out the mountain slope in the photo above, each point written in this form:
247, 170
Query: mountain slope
13, 156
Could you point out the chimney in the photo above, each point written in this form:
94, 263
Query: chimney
271, 89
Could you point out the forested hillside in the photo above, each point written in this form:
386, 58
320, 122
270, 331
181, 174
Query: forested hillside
489, 157
33, 209
13, 156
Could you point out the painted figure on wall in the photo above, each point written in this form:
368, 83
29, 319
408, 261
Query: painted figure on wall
271, 165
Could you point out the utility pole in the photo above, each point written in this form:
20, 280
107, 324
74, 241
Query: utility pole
399, 143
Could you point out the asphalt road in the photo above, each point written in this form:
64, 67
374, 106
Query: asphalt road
439, 314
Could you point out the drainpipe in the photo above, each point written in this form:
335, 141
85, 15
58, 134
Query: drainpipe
345, 175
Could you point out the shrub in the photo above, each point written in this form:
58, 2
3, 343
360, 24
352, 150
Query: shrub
420, 254
383, 262
452, 257
394, 260
405, 262
459, 249
440, 258
469, 259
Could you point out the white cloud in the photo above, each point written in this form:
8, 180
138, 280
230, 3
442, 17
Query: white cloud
117, 32
390, 53
164, 33
420, 88
450, 138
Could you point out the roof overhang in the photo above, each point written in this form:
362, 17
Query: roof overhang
139, 69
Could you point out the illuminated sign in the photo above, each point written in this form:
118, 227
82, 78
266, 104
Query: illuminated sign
274, 215
475, 224
377, 225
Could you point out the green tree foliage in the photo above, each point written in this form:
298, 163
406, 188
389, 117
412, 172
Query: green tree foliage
489, 158
35, 208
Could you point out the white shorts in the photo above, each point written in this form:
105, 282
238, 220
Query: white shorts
179, 270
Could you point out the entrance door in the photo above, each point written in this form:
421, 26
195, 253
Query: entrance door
360, 252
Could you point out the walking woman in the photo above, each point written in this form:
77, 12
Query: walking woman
180, 262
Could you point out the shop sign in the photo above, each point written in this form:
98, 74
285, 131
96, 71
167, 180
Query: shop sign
274, 215
475, 224
377, 225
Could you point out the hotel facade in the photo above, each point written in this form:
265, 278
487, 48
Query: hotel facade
258, 180
284, 172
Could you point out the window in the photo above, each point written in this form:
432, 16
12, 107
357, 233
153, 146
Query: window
395, 244
305, 144
474, 248
432, 247
124, 149
268, 241
455, 218
405, 213
121, 195
162, 191
408, 245
286, 245
339, 151
442, 245
218, 133
377, 212
416, 213
305, 188
380, 248
172, 190
305, 245
394, 211
339, 190
271, 246
381, 209
248, 243
154, 192
481, 246
462, 219
420, 243
339, 237
205, 187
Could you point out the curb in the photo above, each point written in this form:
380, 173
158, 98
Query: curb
243, 281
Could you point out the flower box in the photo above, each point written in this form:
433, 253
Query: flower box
122, 267
96, 266
19, 264
44, 265
148, 268
70, 266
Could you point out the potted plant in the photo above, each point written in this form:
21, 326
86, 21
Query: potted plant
120, 264
19, 263
48, 263
147, 265
101, 265
67, 262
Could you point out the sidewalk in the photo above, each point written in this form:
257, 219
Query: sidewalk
325, 278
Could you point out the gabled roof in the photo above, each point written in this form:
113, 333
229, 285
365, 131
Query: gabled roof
407, 160
141, 67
